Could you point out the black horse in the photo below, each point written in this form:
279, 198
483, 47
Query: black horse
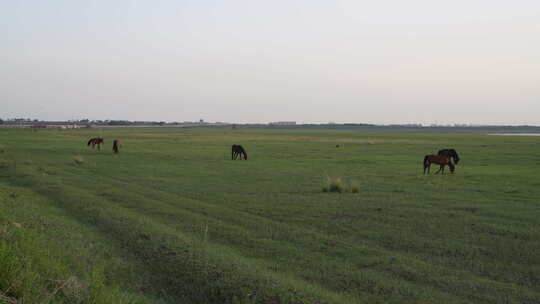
237, 150
116, 146
450, 153
95, 141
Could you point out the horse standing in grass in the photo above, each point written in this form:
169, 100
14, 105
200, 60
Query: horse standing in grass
116, 145
237, 150
450, 153
439, 160
95, 141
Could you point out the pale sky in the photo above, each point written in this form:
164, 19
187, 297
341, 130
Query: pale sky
415, 61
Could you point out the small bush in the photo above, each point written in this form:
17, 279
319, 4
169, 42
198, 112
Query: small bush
336, 184
333, 185
78, 159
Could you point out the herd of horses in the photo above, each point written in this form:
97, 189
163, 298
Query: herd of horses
443, 158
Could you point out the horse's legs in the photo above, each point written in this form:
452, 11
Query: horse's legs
441, 168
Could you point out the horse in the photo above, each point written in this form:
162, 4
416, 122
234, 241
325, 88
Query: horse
237, 150
115, 145
439, 160
95, 141
450, 153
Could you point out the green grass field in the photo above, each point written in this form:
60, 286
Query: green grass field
171, 219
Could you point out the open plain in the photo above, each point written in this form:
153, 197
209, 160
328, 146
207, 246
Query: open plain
172, 219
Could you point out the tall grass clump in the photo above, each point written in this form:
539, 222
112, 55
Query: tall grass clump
336, 184
333, 184
78, 159
354, 188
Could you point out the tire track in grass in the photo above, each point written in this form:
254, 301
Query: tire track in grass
302, 233
196, 205
374, 267
185, 267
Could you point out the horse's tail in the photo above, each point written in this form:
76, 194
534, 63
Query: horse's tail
426, 160
90, 141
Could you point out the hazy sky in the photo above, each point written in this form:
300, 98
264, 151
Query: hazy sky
461, 61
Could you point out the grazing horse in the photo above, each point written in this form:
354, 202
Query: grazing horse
115, 145
237, 150
439, 160
450, 153
95, 141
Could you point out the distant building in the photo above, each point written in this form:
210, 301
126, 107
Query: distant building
283, 123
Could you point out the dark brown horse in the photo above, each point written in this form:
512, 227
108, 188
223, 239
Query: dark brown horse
95, 141
116, 145
439, 160
237, 150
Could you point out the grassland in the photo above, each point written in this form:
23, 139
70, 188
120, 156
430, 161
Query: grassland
171, 219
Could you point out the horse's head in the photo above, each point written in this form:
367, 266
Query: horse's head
451, 167
455, 155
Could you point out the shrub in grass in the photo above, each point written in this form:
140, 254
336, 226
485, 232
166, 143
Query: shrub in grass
78, 159
333, 185
336, 184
